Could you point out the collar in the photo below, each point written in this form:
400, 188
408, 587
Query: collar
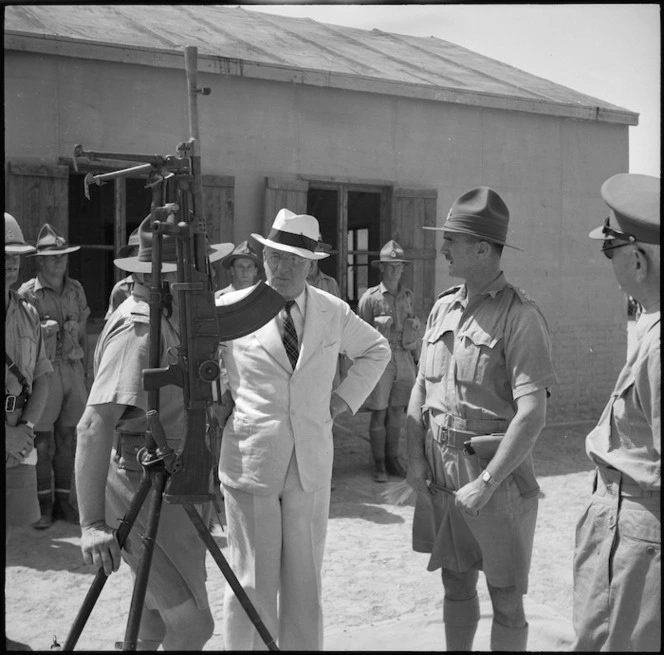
648, 319
301, 300
492, 289
383, 289
41, 283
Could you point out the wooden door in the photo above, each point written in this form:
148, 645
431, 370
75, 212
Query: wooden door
413, 208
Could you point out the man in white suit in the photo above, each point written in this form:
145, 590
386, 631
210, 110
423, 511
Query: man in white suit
277, 449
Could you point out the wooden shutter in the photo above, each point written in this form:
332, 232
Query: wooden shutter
412, 209
37, 194
219, 201
283, 192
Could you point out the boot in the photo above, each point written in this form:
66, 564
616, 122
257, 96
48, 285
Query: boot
380, 475
460, 618
64, 510
393, 465
506, 638
46, 509
377, 436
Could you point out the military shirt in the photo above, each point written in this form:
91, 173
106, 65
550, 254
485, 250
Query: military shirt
480, 355
628, 434
121, 354
120, 292
325, 283
377, 302
70, 305
24, 344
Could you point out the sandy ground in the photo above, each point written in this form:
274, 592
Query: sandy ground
377, 593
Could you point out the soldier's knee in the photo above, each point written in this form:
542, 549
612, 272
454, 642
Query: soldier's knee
459, 585
507, 606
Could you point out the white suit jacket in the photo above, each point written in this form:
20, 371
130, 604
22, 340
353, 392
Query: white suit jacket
278, 409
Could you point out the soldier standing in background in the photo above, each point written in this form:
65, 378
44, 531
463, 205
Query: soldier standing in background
390, 308
27, 370
244, 266
63, 313
316, 277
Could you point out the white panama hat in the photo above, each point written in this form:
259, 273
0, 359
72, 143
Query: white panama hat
295, 233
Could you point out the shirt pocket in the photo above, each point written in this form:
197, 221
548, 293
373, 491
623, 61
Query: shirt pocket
477, 355
439, 343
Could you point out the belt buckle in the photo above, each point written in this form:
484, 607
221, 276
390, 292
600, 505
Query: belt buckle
10, 406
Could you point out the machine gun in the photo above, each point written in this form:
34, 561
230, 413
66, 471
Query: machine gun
187, 476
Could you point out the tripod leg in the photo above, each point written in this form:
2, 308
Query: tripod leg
143, 572
100, 579
225, 568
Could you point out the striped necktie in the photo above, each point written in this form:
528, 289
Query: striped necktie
290, 335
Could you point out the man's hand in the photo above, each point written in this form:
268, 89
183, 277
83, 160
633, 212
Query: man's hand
419, 473
100, 547
19, 441
472, 497
337, 405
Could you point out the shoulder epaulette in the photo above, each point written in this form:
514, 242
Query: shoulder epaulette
450, 291
522, 295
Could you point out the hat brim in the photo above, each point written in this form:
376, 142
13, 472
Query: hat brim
377, 262
472, 234
302, 252
228, 260
597, 233
49, 252
18, 249
216, 252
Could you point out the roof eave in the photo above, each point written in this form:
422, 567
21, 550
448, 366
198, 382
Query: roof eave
168, 58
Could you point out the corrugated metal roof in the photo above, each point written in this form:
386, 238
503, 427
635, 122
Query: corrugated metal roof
418, 66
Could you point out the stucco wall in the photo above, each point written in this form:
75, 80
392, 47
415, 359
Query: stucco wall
548, 170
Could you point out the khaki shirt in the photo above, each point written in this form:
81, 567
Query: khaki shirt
120, 292
377, 304
121, 354
24, 344
628, 434
480, 355
70, 305
325, 283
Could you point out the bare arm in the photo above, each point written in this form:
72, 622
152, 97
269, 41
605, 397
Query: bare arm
419, 470
35, 407
93, 450
515, 446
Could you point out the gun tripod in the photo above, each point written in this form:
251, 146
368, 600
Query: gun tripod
157, 467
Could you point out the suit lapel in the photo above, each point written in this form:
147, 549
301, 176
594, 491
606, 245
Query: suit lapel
270, 339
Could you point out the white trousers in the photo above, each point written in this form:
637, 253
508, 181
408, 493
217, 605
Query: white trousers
276, 545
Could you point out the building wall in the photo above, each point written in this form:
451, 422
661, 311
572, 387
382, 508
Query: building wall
548, 170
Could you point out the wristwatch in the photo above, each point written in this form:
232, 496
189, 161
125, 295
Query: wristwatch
487, 478
30, 424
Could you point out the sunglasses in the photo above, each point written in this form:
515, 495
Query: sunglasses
610, 235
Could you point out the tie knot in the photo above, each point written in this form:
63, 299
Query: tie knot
289, 305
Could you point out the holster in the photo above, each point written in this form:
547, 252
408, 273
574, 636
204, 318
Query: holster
485, 446
127, 445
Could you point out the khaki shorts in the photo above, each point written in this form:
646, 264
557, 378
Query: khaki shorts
498, 541
177, 571
67, 395
395, 384
21, 504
